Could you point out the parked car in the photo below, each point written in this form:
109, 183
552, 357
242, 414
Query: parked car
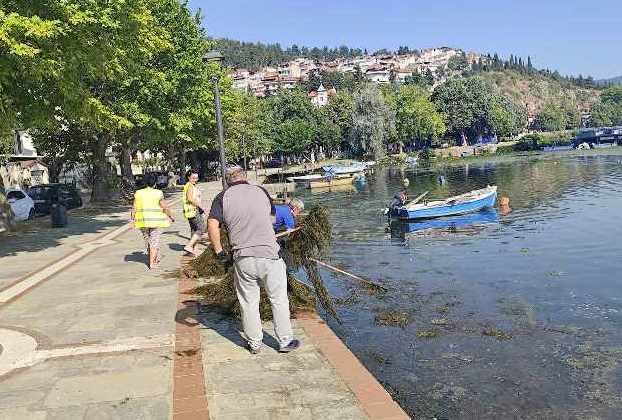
22, 205
43, 196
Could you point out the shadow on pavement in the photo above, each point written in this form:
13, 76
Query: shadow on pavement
38, 235
211, 317
176, 247
136, 256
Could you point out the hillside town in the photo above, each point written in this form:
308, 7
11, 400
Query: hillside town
379, 68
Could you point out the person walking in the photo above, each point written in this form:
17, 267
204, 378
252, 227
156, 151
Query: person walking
246, 211
150, 214
193, 211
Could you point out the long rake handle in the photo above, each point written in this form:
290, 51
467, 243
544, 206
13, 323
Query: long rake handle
345, 273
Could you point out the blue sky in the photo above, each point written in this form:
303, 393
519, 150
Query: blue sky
571, 36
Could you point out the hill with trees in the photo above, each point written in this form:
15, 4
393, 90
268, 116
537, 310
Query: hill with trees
535, 91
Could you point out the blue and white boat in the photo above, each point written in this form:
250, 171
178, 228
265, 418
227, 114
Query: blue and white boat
466, 203
479, 218
354, 167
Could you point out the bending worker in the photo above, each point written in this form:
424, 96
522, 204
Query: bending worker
285, 214
150, 214
193, 211
245, 210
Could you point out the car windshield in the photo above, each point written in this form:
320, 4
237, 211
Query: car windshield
39, 193
17, 195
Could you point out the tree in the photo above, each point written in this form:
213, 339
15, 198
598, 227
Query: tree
246, 129
126, 75
88, 50
290, 123
339, 111
417, 118
551, 118
507, 118
472, 108
465, 104
608, 110
458, 63
373, 122
604, 114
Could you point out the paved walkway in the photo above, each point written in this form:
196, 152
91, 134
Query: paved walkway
86, 331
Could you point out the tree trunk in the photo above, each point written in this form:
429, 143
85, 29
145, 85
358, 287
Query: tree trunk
54, 169
100, 169
7, 218
125, 162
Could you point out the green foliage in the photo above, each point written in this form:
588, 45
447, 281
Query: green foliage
608, 110
333, 79
458, 63
252, 56
424, 80
417, 117
373, 122
528, 143
506, 117
551, 118
472, 108
290, 122
124, 74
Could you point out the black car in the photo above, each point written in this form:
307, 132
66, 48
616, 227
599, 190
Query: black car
43, 196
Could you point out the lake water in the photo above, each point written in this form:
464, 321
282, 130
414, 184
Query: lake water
516, 316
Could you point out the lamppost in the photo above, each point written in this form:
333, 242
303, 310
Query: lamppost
216, 56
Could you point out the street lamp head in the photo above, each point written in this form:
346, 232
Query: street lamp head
213, 56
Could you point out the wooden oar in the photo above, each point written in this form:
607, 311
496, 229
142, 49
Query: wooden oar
419, 198
345, 273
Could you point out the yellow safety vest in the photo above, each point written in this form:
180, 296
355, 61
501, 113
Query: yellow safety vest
149, 214
190, 210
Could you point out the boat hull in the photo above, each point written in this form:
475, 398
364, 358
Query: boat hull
485, 216
332, 182
450, 209
344, 169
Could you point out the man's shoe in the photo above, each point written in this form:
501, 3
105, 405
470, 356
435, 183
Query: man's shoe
293, 345
254, 350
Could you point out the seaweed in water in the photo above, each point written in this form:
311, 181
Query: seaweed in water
497, 333
393, 319
311, 241
428, 333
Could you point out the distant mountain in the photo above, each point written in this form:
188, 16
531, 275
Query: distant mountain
612, 81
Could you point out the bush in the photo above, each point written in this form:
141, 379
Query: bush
425, 155
529, 143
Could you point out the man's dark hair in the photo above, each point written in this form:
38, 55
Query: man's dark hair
190, 172
150, 180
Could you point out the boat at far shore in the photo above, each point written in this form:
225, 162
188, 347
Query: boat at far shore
461, 204
352, 168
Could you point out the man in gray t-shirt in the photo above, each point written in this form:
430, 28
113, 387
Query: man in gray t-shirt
245, 210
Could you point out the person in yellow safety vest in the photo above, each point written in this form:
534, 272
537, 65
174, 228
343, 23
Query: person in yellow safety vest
194, 211
150, 214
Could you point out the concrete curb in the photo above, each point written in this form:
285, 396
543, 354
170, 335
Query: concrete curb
373, 398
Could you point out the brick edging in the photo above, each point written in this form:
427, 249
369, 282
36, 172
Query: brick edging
189, 396
373, 398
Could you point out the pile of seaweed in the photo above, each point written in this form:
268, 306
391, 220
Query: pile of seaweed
311, 241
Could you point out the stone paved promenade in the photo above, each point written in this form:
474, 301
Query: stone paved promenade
87, 332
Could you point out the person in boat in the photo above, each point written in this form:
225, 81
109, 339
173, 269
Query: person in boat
399, 200
286, 214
